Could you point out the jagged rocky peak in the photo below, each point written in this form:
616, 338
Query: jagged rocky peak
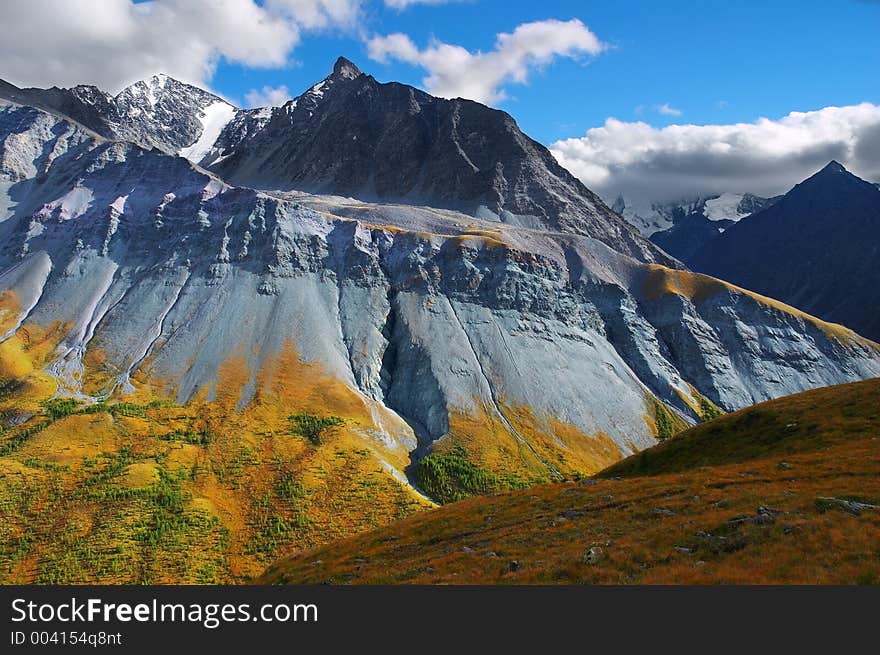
351, 135
89, 93
151, 89
159, 87
345, 69
158, 112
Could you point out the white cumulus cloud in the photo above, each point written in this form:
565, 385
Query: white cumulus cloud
668, 110
267, 96
111, 43
315, 14
766, 157
454, 71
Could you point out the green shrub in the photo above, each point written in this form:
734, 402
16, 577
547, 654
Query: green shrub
8, 386
665, 423
709, 410
57, 408
311, 426
451, 476
189, 436
289, 488
128, 409
14, 442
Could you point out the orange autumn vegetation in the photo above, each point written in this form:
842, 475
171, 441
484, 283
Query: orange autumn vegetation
542, 449
741, 499
24, 382
142, 490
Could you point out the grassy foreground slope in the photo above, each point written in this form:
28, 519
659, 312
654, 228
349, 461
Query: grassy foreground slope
804, 422
783, 492
144, 490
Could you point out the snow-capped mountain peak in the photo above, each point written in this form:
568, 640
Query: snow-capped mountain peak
151, 89
158, 112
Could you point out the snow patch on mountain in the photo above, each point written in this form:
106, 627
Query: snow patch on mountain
71, 205
119, 204
725, 207
213, 118
645, 216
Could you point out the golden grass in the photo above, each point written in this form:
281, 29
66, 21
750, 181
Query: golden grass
677, 527
549, 446
160, 493
22, 367
68, 440
567, 448
811, 420
140, 475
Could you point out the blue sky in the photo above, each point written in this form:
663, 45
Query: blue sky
715, 61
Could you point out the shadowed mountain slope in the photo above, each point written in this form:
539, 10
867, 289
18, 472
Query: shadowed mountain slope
817, 248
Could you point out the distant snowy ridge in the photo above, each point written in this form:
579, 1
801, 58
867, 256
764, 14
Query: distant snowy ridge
159, 112
651, 217
725, 207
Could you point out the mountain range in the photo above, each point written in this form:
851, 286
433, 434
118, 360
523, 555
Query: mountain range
712, 212
350, 135
566, 318
817, 247
412, 278
695, 225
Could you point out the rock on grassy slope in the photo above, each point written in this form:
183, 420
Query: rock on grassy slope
787, 491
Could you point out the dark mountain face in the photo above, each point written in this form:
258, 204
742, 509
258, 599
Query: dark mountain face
689, 233
697, 223
350, 135
818, 249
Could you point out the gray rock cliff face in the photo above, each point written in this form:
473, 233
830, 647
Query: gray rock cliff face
427, 313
